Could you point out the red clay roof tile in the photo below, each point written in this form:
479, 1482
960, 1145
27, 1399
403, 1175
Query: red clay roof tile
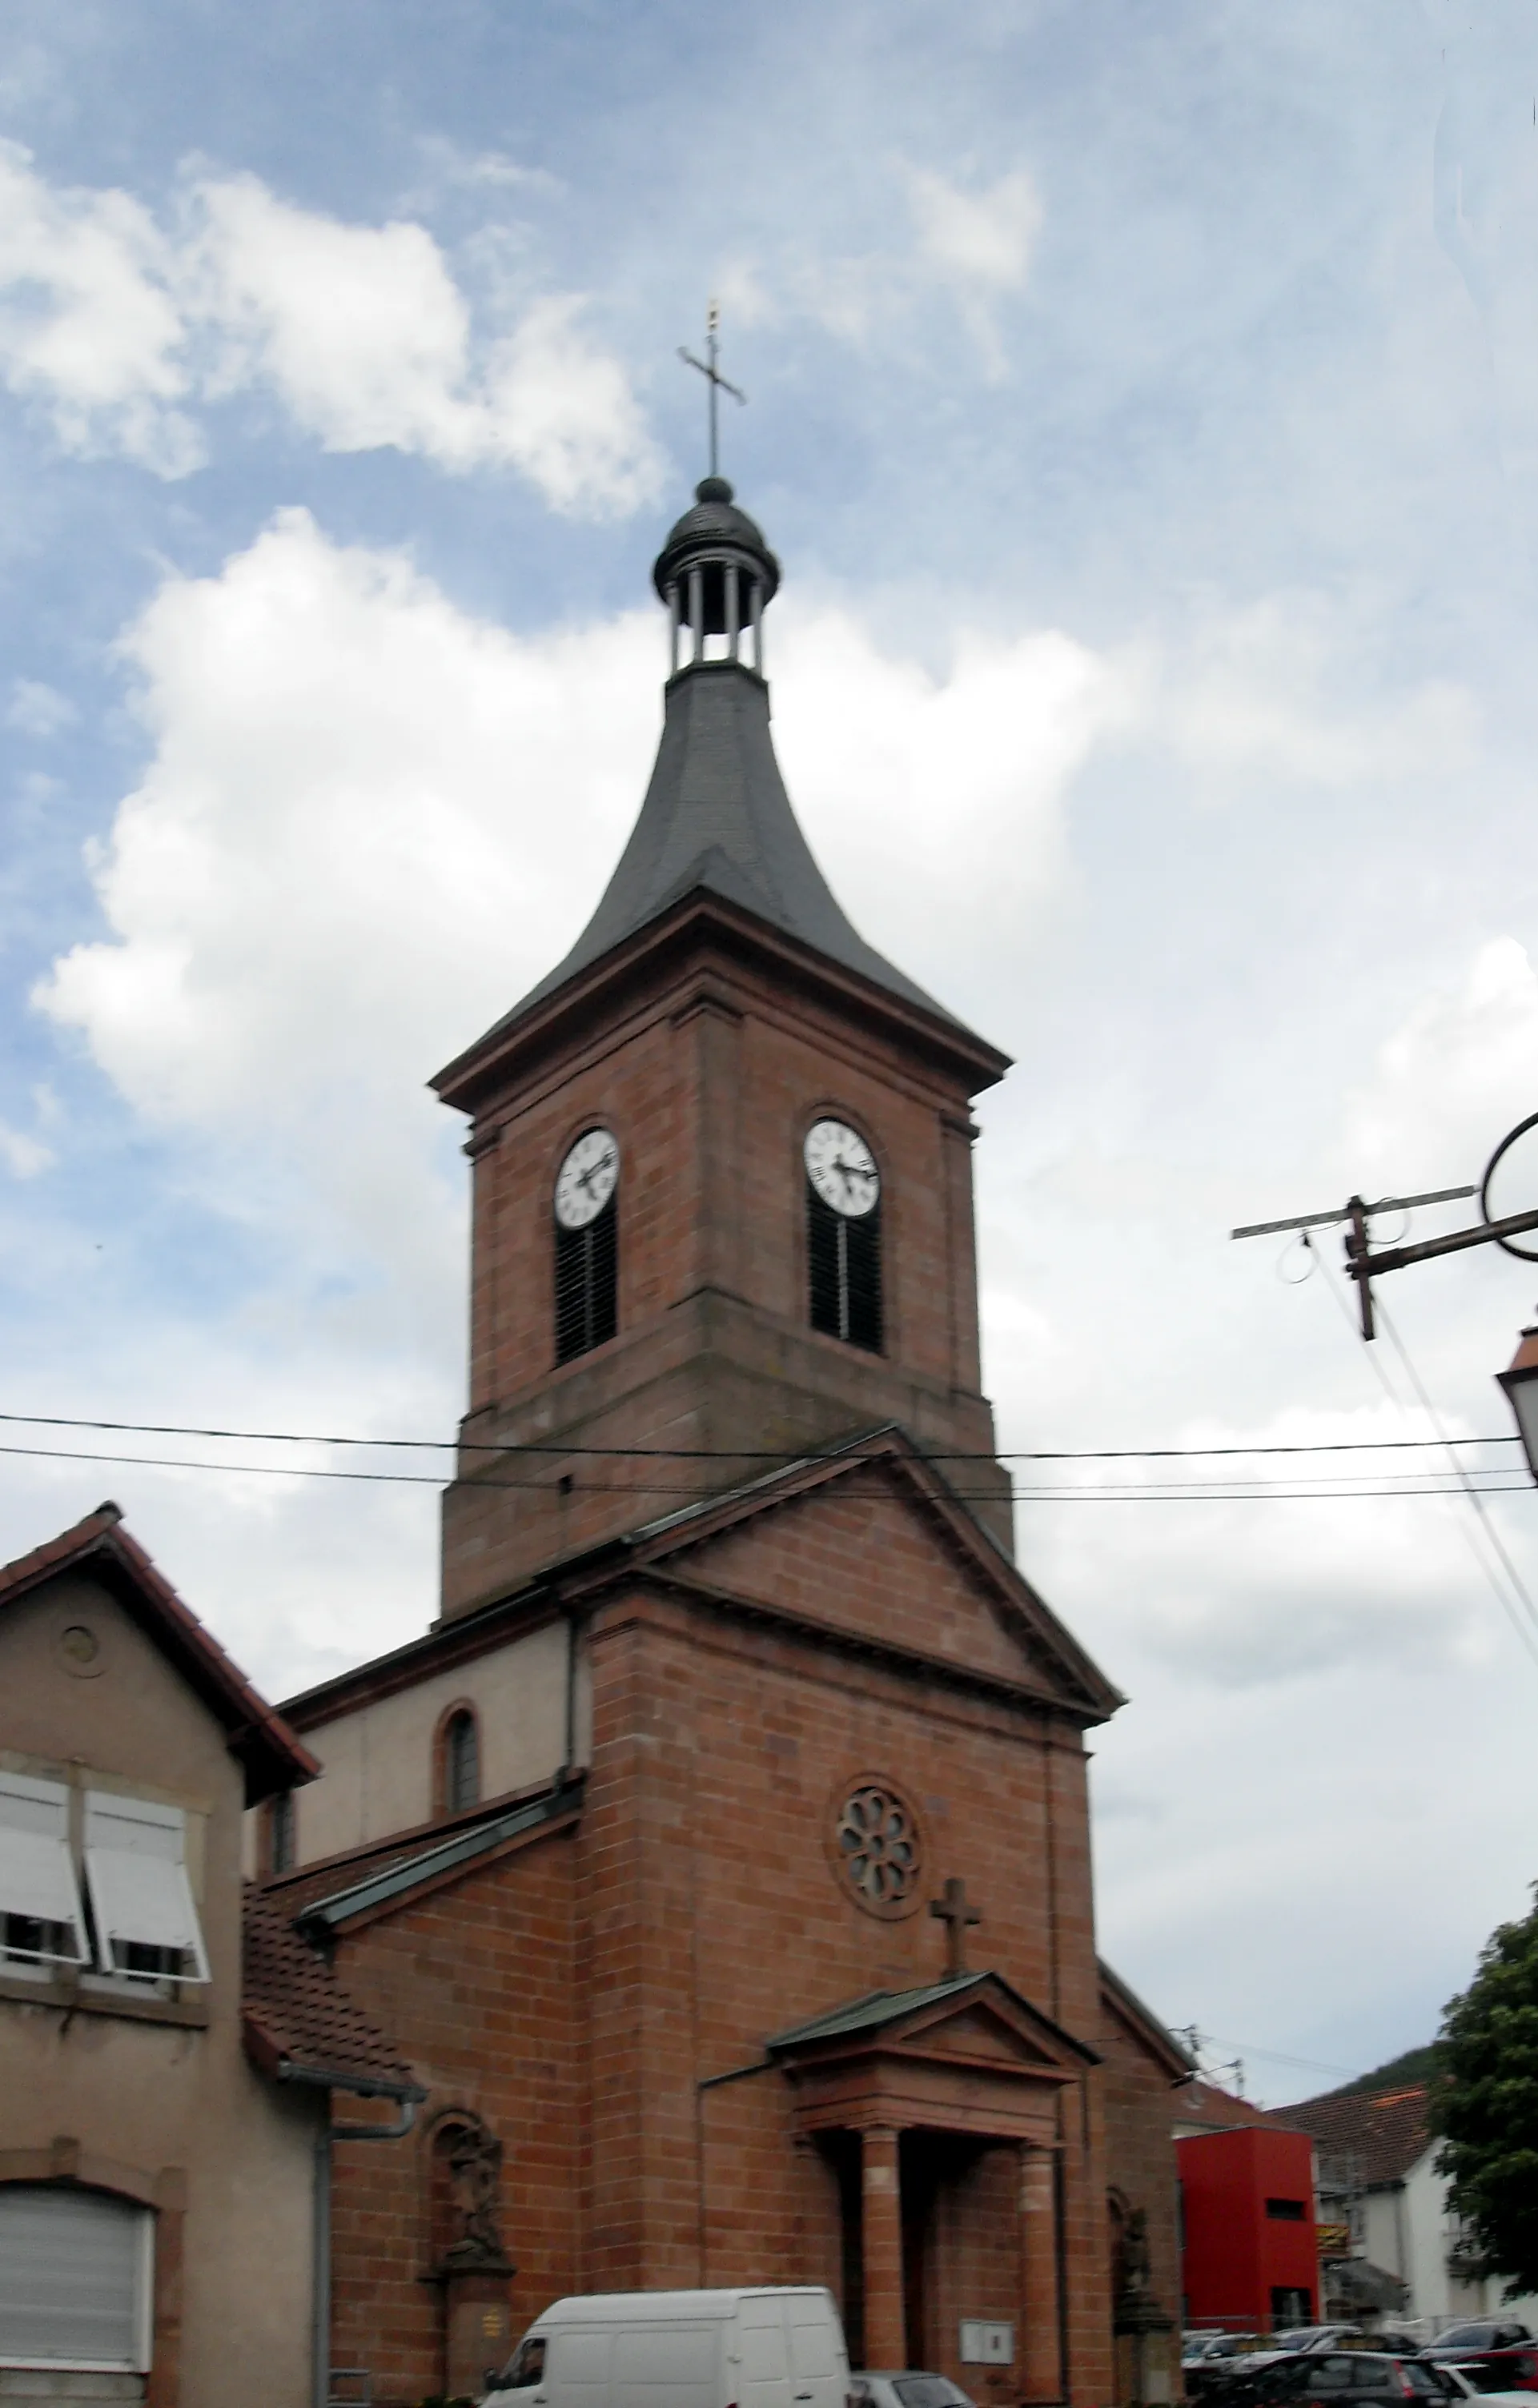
301, 2025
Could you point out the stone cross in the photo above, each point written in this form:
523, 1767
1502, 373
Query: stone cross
950, 1909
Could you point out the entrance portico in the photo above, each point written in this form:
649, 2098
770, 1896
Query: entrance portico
944, 2110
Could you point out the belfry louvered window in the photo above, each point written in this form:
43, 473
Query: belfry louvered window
587, 1244
843, 1217
843, 1258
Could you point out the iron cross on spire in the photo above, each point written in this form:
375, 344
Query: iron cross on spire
718, 384
950, 1909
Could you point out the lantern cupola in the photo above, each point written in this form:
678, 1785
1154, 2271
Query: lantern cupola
715, 574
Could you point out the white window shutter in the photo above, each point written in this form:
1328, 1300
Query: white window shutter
137, 1872
40, 1919
75, 2279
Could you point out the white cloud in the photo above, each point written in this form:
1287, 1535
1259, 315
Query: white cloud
24, 1156
361, 329
1459, 1072
983, 240
38, 709
964, 775
88, 324
560, 409
361, 332
367, 822
1276, 686
974, 246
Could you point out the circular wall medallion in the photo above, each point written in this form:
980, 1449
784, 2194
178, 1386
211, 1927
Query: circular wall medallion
877, 1846
81, 1648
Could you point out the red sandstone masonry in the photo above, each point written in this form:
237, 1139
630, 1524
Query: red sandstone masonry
575, 1994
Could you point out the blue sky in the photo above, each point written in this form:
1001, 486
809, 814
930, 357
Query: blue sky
1142, 406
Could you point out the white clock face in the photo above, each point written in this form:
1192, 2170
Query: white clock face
842, 1168
587, 1179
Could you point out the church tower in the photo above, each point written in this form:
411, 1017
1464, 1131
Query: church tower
721, 1857
723, 1195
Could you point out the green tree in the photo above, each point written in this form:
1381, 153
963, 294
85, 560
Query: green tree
1483, 2104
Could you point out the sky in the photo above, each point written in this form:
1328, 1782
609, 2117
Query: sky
1142, 402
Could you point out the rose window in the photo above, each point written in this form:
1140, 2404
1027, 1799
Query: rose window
878, 1844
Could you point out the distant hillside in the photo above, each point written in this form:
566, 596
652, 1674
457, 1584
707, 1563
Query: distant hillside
1418, 2064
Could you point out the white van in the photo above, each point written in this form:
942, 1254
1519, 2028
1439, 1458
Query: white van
780, 2348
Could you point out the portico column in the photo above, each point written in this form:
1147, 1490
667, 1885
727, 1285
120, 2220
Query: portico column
886, 2334
1039, 2355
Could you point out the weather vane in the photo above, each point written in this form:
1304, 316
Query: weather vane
717, 382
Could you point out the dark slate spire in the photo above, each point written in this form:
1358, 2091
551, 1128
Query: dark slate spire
716, 815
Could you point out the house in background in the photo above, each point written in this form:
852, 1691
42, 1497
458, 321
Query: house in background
1249, 2238
169, 2050
1377, 2182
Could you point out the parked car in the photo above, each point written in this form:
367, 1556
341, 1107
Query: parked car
1457, 2387
909, 2389
1479, 2334
1498, 2369
1211, 2358
1333, 2378
1312, 2336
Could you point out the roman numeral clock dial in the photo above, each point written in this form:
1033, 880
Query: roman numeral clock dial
842, 1168
586, 1179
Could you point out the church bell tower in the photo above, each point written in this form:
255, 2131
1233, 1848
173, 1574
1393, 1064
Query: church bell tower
722, 1195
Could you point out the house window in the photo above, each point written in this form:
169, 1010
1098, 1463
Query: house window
42, 1923
460, 1762
141, 1905
280, 1832
75, 2279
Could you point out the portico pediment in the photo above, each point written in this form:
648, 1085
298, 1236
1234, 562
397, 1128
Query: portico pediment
967, 2054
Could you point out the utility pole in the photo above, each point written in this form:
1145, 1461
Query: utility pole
1364, 1265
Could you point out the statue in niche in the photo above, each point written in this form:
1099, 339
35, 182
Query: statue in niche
1132, 2262
471, 2158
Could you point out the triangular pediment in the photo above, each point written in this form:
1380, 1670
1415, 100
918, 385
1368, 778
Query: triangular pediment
977, 2022
869, 1541
980, 2034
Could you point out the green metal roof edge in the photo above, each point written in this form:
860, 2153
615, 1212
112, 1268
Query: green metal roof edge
875, 2008
880, 2007
380, 1888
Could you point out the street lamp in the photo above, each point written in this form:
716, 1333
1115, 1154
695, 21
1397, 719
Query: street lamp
1521, 1383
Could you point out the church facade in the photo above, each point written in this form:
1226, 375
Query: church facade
720, 1859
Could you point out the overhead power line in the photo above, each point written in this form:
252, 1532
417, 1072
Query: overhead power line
1500, 1573
733, 1453
1162, 1493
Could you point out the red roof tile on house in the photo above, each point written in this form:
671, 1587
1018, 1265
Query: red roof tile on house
270, 1754
301, 2024
1383, 2132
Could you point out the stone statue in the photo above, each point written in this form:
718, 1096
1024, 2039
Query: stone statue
1132, 2263
474, 2156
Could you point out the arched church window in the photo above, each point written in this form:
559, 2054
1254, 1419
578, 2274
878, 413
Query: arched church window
587, 1244
844, 1234
460, 1762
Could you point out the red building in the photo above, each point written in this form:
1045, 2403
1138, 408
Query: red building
1250, 2248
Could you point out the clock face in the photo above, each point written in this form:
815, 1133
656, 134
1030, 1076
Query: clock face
842, 1168
587, 1179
